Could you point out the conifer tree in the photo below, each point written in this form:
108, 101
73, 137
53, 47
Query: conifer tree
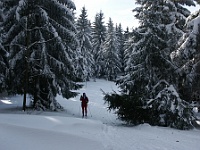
187, 59
128, 44
127, 33
149, 68
1, 12
3, 69
85, 62
121, 41
110, 53
98, 36
41, 42
3, 53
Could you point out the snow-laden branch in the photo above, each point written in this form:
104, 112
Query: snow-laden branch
159, 82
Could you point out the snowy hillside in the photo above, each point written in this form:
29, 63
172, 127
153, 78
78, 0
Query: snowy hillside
66, 129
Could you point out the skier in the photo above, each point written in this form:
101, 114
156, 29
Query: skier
84, 101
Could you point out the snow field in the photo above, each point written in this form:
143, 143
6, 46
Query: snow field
66, 129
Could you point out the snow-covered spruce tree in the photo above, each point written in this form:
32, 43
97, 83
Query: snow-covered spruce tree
85, 61
3, 53
149, 64
128, 44
169, 110
129, 105
1, 12
110, 53
187, 58
121, 41
98, 36
149, 47
127, 33
41, 42
4, 65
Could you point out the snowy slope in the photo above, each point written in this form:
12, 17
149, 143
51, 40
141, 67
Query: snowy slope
67, 130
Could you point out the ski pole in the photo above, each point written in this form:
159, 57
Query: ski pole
89, 111
79, 111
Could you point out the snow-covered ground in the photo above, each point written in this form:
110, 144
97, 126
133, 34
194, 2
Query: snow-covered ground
66, 130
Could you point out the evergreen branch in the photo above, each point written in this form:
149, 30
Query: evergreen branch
41, 42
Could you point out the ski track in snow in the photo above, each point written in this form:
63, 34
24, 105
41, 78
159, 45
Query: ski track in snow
120, 137
100, 131
40, 137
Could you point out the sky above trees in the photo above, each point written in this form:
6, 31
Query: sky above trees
119, 10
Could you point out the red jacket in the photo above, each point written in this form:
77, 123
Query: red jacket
84, 100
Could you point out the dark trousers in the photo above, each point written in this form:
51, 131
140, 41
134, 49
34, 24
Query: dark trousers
84, 109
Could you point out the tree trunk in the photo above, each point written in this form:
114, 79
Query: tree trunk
26, 80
